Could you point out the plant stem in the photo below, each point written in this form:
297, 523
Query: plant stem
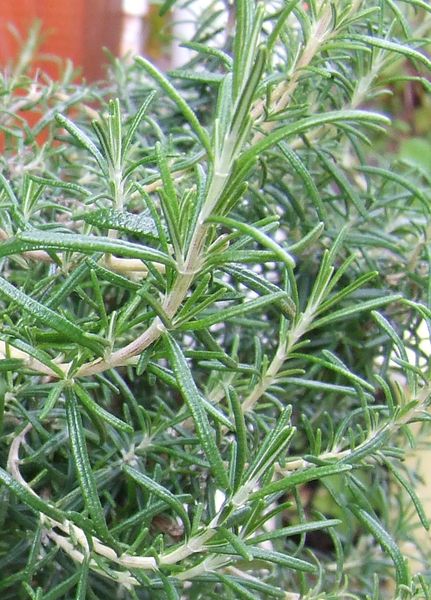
280, 357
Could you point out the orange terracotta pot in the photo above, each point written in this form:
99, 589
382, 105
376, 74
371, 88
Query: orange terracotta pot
77, 30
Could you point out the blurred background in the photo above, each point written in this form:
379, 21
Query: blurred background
79, 31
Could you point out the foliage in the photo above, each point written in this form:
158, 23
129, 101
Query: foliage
213, 292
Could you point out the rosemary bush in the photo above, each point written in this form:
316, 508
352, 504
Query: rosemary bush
213, 293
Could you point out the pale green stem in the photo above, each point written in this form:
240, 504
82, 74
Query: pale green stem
281, 355
339, 454
283, 92
186, 271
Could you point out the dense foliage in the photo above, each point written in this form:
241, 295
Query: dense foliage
213, 299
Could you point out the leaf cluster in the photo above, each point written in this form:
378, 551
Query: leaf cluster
215, 316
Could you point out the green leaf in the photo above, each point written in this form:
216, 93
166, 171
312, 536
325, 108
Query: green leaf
191, 310
224, 58
413, 495
294, 530
29, 498
68, 286
211, 409
346, 291
246, 49
240, 257
308, 240
239, 590
35, 353
193, 400
406, 51
100, 412
402, 180
60, 591
48, 317
205, 77
167, 181
4, 183
343, 183
335, 365
182, 105
114, 278
169, 201
63, 185
257, 235
307, 123
353, 310
81, 592
208, 341
233, 311
43, 240
10, 364
169, 588
82, 139
270, 448
35, 552
280, 23
166, 6
259, 284
237, 543
242, 452
264, 589
300, 170
121, 220
51, 400
279, 558
369, 446
241, 120
386, 542
161, 493
82, 464
303, 476
133, 126
156, 306
393, 335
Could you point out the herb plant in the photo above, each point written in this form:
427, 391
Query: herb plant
214, 292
